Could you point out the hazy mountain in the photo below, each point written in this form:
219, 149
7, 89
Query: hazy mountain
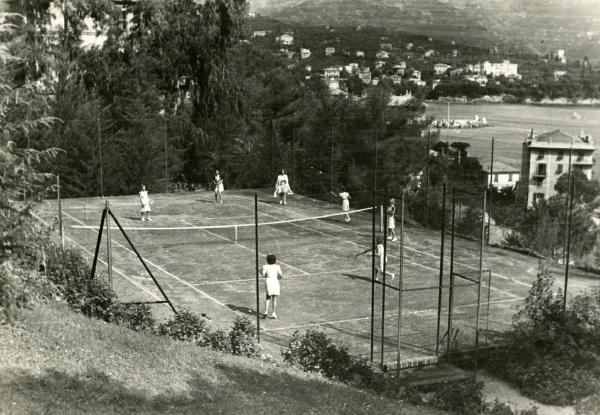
537, 25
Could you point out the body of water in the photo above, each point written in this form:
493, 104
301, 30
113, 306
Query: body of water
510, 124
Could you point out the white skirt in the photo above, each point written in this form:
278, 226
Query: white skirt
283, 188
391, 222
272, 286
219, 188
145, 208
345, 205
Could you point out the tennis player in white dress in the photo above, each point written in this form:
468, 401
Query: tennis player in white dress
282, 188
272, 273
145, 202
345, 196
391, 219
218, 183
380, 253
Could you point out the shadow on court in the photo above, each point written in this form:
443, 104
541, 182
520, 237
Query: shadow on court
243, 310
357, 277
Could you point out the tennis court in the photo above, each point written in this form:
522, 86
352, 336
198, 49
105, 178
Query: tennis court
212, 270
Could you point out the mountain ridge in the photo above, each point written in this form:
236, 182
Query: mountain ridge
538, 26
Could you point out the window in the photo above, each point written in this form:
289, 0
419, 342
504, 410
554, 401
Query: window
559, 169
580, 156
510, 177
540, 155
496, 178
540, 171
560, 155
538, 196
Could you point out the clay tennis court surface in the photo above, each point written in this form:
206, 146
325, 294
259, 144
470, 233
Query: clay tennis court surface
325, 287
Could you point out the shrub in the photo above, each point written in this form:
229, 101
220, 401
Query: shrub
137, 317
217, 340
243, 338
315, 352
184, 326
462, 397
19, 288
589, 405
69, 271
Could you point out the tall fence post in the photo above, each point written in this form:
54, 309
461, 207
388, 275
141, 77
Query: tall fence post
491, 188
108, 246
383, 271
166, 154
400, 283
481, 243
256, 266
60, 223
569, 231
451, 285
427, 180
100, 157
441, 279
373, 211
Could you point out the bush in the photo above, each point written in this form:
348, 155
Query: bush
217, 340
552, 355
243, 338
69, 271
315, 352
137, 317
184, 326
20, 288
463, 397
589, 405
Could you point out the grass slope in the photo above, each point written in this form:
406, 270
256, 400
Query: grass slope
63, 363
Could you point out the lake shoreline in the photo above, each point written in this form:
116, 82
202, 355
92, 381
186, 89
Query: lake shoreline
479, 101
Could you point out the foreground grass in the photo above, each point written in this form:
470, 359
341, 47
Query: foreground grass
59, 362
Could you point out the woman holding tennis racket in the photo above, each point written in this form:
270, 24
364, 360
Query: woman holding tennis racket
218, 183
272, 273
282, 188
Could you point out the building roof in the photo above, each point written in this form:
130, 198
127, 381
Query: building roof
500, 167
555, 136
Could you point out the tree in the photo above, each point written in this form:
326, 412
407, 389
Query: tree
586, 191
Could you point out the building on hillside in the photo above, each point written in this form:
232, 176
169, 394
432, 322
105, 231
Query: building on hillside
382, 54
375, 81
456, 72
429, 52
415, 75
559, 74
285, 39
304, 53
331, 72
359, 54
435, 83
259, 33
441, 68
396, 79
329, 51
399, 100
401, 65
501, 175
454, 53
351, 67
409, 46
379, 64
545, 158
480, 79
385, 46
560, 56
365, 75
504, 68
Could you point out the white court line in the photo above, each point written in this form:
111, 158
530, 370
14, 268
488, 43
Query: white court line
418, 312
285, 276
99, 259
390, 255
246, 248
205, 295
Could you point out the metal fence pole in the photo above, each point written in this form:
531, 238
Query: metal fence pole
481, 243
489, 221
166, 155
569, 231
427, 180
108, 246
441, 280
451, 285
400, 283
100, 156
256, 266
383, 269
372, 276
60, 222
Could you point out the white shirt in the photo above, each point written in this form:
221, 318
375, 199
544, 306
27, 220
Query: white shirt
271, 271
